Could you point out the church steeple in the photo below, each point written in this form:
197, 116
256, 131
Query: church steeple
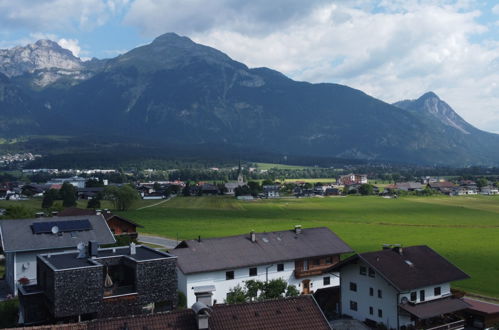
240, 178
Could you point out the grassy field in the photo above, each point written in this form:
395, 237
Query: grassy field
268, 166
463, 229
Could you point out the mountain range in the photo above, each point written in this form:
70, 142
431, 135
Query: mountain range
174, 91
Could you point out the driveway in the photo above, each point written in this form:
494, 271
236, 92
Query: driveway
156, 240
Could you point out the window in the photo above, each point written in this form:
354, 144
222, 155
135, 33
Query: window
414, 296
353, 305
421, 295
317, 262
380, 294
305, 264
329, 260
327, 280
280, 267
371, 310
437, 291
229, 275
353, 286
253, 271
371, 272
380, 313
371, 292
363, 270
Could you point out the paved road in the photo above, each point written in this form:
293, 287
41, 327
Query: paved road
164, 242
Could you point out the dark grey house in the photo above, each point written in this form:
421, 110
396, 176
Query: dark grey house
98, 283
23, 239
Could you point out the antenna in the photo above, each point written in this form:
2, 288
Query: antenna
55, 230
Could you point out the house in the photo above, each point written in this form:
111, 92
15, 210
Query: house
271, 191
406, 186
211, 267
481, 314
352, 179
76, 181
119, 225
489, 190
89, 193
400, 288
445, 187
23, 239
209, 189
98, 283
294, 313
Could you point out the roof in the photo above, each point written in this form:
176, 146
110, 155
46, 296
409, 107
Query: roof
73, 211
481, 306
17, 235
444, 184
67, 260
416, 267
435, 307
296, 313
238, 251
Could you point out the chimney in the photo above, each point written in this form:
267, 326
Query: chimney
55, 213
298, 229
253, 236
202, 313
133, 249
397, 248
81, 251
39, 214
199, 238
98, 212
93, 248
386, 246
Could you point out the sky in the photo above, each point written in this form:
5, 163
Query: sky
390, 49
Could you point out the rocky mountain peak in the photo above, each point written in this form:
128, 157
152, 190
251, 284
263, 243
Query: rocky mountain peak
42, 55
431, 104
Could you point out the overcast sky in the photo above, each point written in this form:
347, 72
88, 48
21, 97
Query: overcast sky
390, 49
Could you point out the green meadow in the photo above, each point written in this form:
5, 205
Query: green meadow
463, 229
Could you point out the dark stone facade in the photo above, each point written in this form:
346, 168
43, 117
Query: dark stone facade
80, 291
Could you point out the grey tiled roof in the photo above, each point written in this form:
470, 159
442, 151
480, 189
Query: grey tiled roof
416, 267
17, 235
238, 251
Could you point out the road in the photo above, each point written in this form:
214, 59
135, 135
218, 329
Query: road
156, 240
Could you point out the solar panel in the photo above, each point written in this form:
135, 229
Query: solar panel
64, 226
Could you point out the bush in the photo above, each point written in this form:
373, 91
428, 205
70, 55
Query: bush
9, 311
182, 300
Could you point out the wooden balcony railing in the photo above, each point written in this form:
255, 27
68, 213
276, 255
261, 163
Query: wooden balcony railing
449, 326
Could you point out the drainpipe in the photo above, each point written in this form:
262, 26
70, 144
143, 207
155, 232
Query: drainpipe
267, 273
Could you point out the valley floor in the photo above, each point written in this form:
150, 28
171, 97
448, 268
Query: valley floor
463, 229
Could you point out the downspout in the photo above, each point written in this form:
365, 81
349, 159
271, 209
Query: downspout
398, 310
267, 273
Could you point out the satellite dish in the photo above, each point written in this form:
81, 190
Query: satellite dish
55, 230
404, 300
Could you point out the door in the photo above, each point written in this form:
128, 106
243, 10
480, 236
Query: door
306, 286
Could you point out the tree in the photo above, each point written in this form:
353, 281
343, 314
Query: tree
482, 182
292, 291
122, 197
236, 295
18, 212
92, 183
93, 203
366, 189
68, 195
273, 289
49, 197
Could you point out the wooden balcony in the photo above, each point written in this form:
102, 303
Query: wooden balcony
315, 271
449, 326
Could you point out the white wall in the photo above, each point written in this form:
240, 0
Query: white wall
388, 303
222, 286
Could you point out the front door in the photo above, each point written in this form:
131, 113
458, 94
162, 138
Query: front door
306, 286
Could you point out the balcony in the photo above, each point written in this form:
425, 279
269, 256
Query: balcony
449, 326
315, 271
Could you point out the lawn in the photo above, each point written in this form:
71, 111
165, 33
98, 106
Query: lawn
268, 166
463, 229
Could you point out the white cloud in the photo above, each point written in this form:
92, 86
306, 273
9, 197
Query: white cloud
495, 9
70, 44
391, 49
50, 15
